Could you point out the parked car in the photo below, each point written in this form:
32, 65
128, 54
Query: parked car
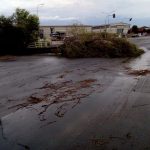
56, 36
135, 35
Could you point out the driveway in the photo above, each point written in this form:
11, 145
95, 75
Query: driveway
52, 103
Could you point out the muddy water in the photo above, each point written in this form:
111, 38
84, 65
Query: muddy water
50, 103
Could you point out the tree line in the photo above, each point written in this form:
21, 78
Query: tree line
135, 29
18, 31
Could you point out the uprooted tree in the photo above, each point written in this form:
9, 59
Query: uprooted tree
18, 30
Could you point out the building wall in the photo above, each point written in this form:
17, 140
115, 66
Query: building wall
96, 30
114, 28
46, 30
68, 29
126, 30
60, 29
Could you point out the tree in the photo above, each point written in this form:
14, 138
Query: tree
135, 29
28, 23
6, 21
18, 31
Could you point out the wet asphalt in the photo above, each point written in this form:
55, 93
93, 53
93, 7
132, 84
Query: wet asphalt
53, 103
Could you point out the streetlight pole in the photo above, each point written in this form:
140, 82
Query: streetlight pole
38, 8
108, 14
107, 17
129, 20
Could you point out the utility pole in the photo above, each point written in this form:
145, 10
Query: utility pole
112, 13
38, 8
107, 18
129, 19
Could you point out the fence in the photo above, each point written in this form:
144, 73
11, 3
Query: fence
40, 44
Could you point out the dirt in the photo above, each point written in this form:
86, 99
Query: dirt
35, 100
139, 72
31, 101
86, 83
64, 92
7, 58
98, 142
104, 141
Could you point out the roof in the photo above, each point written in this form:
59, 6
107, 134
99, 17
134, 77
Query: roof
145, 27
66, 25
101, 26
120, 23
113, 24
94, 27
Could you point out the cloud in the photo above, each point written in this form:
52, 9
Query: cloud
86, 11
58, 18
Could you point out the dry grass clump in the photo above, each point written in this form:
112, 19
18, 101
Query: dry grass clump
86, 45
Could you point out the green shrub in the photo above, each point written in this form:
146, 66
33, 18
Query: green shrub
98, 45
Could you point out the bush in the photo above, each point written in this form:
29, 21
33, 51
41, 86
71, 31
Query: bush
18, 31
11, 39
98, 45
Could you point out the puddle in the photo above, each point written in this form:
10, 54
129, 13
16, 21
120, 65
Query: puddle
142, 62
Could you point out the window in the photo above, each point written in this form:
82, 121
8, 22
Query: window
120, 31
41, 33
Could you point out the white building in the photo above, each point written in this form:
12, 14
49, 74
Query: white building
46, 31
118, 28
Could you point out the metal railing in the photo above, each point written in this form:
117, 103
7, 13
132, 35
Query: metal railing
40, 44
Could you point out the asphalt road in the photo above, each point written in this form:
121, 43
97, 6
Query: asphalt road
51, 103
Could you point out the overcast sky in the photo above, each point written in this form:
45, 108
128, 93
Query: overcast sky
91, 12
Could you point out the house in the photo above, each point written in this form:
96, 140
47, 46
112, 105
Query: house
118, 28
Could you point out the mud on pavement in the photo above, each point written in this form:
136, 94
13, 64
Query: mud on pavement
60, 92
